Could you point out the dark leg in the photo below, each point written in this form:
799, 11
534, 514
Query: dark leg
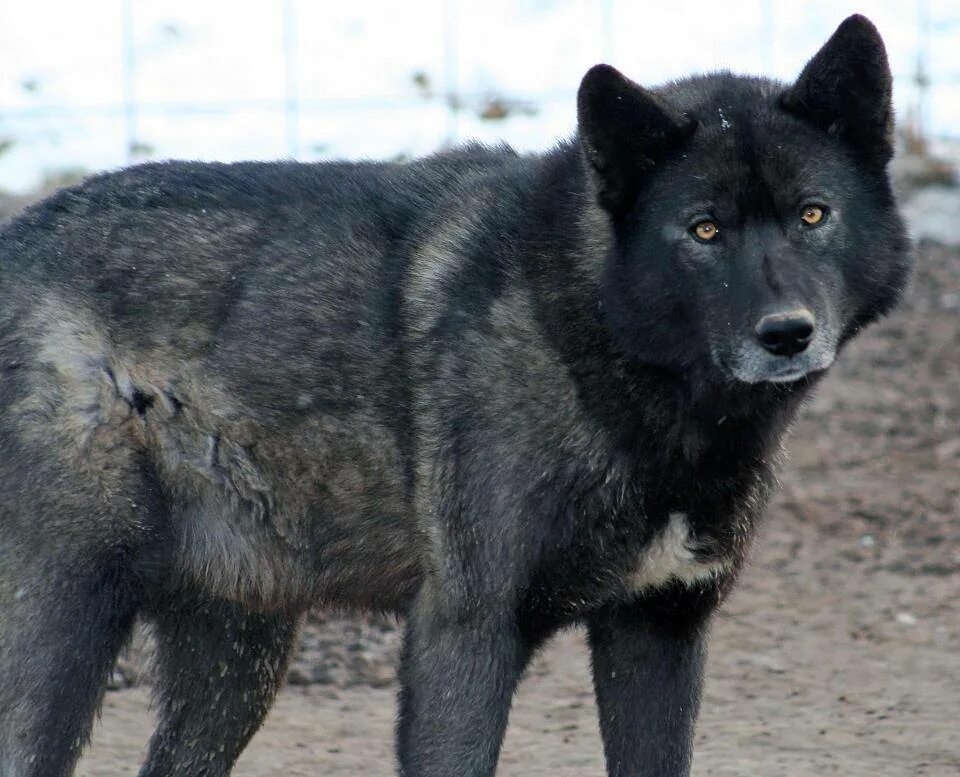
62, 622
647, 669
457, 680
68, 596
218, 671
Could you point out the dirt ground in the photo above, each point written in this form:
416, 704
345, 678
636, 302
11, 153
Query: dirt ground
839, 653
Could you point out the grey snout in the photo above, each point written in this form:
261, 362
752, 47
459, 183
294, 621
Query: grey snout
786, 334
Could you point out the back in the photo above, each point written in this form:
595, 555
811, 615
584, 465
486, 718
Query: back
240, 267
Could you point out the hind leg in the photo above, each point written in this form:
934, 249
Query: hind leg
218, 670
65, 611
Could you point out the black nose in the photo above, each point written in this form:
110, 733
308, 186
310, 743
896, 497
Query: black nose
786, 334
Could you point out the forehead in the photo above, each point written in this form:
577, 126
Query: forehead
747, 153
765, 162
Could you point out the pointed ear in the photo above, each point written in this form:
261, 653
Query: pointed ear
846, 89
624, 130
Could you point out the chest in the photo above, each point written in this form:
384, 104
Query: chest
648, 541
676, 555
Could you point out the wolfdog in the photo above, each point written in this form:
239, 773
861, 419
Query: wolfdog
494, 394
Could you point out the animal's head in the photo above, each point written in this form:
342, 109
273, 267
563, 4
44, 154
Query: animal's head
755, 229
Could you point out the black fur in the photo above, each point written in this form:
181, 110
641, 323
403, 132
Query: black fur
495, 394
847, 90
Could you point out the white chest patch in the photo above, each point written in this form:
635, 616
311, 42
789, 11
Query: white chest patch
671, 558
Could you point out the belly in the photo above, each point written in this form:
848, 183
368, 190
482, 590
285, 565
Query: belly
316, 512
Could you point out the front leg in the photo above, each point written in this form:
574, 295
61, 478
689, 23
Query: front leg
458, 674
648, 661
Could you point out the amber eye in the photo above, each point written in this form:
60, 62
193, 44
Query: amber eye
705, 230
812, 214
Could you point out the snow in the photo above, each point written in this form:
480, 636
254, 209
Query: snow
932, 214
216, 80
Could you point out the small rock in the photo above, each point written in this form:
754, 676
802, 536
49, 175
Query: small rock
950, 301
948, 449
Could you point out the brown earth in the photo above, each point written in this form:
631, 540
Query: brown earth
839, 653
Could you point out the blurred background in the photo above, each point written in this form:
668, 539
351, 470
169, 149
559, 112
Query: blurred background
104, 83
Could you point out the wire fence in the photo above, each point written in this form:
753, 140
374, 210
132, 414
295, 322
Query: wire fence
454, 107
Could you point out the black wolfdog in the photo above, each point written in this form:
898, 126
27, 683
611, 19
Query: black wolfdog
494, 394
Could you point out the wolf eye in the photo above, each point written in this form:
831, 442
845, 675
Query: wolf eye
812, 214
705, 230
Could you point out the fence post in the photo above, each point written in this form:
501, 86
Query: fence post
129, 78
